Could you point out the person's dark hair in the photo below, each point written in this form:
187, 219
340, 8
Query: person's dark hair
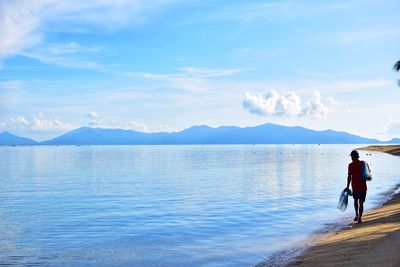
354, 153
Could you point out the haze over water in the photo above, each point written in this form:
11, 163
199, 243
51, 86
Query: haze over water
199, 205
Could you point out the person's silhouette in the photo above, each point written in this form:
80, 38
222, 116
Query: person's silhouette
358, 185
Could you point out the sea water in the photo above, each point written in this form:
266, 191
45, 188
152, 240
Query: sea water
201, 205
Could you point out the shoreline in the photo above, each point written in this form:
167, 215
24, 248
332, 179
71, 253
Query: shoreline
389, 149
374, 242
295, 254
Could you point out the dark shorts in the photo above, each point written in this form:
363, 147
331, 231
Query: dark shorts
360, 195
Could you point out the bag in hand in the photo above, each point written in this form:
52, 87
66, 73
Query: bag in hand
366, 172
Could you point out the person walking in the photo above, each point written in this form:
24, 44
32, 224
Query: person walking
358, 185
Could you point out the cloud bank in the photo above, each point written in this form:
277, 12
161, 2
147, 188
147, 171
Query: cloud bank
289, 105
97, 120
38, 122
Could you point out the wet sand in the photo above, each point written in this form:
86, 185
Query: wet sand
375, 242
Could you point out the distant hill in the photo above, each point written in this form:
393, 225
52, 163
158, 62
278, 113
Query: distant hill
394, 141
262, 134
99, 136
9, 139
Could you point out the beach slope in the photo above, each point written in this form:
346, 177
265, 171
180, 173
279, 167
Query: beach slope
375, 242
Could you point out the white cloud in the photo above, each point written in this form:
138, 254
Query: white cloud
289, 105
187, 73
71, 47
39, 122
315, 108
332, 102
332, 86
69, 55
10, 85
189, 79
2, 125
392, 128
363, 36
23, 22
96, 120
210, 73
273, 104
147, 128
93, 115
20, 121
19, 26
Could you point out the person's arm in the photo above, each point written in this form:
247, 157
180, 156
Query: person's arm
348, 181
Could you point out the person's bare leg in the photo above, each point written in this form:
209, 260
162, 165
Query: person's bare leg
360, 211
356, 209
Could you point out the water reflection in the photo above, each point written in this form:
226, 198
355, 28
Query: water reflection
169, 205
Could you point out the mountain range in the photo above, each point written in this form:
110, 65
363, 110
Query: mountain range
7, 138
263, 134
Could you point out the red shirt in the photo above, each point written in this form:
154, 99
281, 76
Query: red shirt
355, 170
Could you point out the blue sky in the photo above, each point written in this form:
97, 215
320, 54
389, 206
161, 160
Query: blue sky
167, 65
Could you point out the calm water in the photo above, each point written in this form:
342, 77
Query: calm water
171, 205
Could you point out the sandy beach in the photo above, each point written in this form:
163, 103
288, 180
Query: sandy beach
390, 149
375, 242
